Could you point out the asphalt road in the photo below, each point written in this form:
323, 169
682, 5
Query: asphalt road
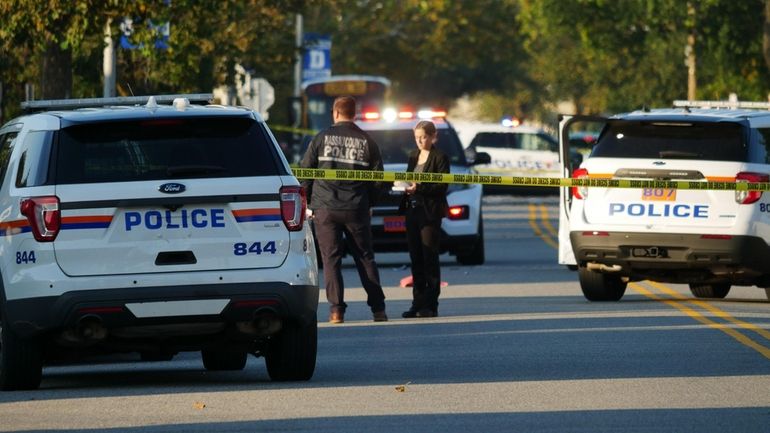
516, 348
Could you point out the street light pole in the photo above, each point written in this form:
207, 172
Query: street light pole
298, 59
690, 59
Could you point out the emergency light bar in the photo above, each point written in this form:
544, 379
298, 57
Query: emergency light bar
721, 104
391, 114
68, 104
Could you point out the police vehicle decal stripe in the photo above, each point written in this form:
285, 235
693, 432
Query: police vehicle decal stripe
15, 227
247, 215
86, 222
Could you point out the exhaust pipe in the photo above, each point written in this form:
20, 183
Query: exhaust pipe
603, 268
90, 328
87, 330
264, 322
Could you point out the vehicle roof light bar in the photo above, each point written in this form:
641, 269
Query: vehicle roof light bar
68, 104
721, 104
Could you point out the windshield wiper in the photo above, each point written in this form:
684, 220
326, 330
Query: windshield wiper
678, 154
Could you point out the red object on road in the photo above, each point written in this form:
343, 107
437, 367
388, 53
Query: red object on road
407, 282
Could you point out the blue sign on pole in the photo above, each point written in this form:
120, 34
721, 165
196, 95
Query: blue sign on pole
127, 29
316, 60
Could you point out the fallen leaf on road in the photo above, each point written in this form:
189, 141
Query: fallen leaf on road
199, 405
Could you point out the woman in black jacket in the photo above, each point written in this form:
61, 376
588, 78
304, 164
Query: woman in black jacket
425, 205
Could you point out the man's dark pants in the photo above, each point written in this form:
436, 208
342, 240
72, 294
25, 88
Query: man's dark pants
356, 224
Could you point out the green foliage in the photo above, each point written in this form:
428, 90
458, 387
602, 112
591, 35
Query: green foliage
519, 57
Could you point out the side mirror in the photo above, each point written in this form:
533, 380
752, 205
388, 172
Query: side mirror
481, 158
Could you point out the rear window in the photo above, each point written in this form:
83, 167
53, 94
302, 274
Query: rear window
395, 145
672, 140
157, 149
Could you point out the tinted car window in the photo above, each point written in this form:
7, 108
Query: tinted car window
396, 144
497, 140
33, 163
164, 149
6, 146
764, 140
537, 142
680, 140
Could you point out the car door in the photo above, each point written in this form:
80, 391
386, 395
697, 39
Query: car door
569, 125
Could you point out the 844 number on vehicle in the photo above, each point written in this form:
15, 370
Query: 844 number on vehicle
242, 248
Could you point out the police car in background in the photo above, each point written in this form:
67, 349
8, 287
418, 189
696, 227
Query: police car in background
709, 239
462, 230
519, 151
151, 225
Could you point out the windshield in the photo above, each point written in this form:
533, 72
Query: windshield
672, 140
150, 149
395, 145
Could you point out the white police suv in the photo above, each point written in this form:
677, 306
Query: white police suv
709, 239
462, 230
151, 225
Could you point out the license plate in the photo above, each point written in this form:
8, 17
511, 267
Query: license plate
659, 194
394, 224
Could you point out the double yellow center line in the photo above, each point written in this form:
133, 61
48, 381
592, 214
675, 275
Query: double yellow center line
682, 303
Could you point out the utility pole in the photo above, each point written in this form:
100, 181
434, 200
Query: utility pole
298, 60
689, 52
109, 62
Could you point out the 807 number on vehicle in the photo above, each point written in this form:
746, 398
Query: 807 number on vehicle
242, 248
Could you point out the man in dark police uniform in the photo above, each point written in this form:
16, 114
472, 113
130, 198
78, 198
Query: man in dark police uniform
344, 206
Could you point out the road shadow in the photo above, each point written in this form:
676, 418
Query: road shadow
596, 421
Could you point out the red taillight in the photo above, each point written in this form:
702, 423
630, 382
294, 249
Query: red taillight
748, 197
43, 215
458, 212
717, 237
293, 207
371, 115
580, 192
100, 310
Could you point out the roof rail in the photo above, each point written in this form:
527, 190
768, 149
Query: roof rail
68, 104
722, 104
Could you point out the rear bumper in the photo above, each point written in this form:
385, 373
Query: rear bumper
735, 258
34, 316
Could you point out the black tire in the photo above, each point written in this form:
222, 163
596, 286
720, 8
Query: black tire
597, 286
223, 360
291, 354
717, 291
474, 256
21, 361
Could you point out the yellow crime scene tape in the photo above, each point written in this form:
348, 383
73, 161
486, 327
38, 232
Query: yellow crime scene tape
293, 130
547, 182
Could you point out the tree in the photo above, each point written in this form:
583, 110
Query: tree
432, 50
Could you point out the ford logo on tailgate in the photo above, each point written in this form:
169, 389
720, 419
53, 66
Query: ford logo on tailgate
172, 188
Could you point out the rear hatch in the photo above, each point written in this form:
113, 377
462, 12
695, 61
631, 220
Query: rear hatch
665, 150
168, 195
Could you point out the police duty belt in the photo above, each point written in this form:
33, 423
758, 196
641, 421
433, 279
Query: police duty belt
529, 181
